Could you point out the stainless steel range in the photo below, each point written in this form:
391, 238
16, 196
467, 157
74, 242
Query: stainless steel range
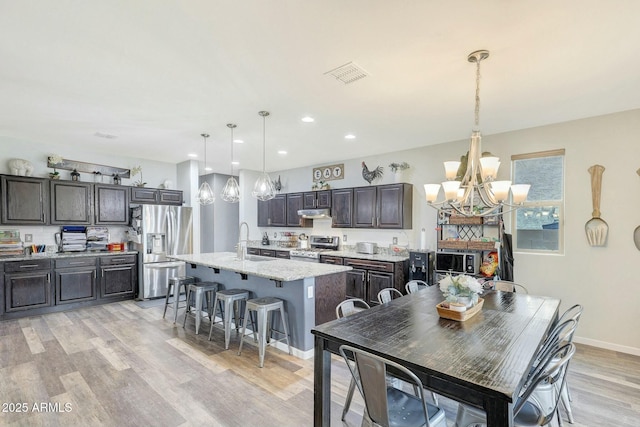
317, 245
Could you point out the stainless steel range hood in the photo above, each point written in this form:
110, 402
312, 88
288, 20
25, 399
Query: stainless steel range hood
315, 213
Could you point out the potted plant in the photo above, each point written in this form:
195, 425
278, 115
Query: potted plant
399, 170
135, 171
55, 159
461, 289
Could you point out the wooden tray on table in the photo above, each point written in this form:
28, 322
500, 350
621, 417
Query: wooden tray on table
460, 316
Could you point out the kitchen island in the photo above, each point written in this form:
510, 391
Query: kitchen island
310, 291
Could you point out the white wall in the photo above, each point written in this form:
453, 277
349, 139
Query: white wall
602, 279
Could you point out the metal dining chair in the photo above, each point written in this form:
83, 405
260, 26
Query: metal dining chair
505, 286
572, 313
387, 294
537, 404
344, 309
415, 285
386, 405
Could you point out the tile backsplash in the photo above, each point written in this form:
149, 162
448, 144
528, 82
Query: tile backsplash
45, 235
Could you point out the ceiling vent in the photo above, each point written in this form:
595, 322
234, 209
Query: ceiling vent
348, 73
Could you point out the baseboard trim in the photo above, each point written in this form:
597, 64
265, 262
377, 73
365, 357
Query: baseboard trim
608, 346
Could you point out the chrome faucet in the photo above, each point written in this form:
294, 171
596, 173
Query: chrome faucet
241, 249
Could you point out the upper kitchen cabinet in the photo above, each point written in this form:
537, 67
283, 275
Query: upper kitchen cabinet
295, 202
317, 199
111, 204
71, 202
278, 211
156, 196
342, 208
25, 200
282, 211
383, 206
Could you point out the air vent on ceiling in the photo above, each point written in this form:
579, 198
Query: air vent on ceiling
104, 135
348, 73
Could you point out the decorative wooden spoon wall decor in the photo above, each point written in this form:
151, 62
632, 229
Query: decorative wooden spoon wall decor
596, 228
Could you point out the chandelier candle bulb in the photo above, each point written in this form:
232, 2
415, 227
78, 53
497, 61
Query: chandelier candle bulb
489, 167
519, 193
431, 192
451, 189
451, 170
500, 190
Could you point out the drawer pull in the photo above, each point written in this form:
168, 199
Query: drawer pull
29, 266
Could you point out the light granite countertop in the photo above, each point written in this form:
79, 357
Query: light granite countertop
284, 270
58, 255
371, 257
345, 254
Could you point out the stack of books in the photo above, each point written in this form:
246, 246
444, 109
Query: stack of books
74, 238
10, 243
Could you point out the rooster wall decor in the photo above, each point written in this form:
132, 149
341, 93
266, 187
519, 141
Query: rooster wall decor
369, 176
277, 184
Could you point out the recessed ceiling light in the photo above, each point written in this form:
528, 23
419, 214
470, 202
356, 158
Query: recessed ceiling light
349, 136
308, 119
192, 155
235, 163
238, 141
208, 169
282, 152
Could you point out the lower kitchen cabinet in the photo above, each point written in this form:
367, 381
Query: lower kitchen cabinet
27, 284
75, 279
118, 276
369, 277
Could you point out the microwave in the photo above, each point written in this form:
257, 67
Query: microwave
458, 262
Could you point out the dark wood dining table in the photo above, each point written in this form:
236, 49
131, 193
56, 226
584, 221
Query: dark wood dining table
482, 361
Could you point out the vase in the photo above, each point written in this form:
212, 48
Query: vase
466, 301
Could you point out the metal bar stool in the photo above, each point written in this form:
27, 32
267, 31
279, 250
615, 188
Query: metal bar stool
200, 289
229, 301
263, 307
175, 283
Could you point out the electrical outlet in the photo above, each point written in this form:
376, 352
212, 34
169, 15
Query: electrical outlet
344, 237
310, 292
395, 240
28, 237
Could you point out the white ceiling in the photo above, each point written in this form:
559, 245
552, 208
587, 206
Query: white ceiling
159, 73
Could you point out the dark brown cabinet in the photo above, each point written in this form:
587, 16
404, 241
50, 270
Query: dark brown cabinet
342, 208
111, 205
24, 200
75, 279
329, 259
27, 284
282, 211
369, 277
383, 206
278, 211
294, 204
118, 276
317, 199
71, 202
155, 196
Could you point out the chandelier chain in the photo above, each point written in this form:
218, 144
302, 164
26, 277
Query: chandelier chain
477, 108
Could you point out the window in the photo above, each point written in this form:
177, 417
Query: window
538, 224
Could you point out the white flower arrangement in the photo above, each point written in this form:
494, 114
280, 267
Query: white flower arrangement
462, 286
135, 171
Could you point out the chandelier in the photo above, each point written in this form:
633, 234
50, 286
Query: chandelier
205, 193
231, 191
263, 189
476, 193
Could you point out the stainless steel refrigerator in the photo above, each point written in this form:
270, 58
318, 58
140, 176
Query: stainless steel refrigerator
157, 232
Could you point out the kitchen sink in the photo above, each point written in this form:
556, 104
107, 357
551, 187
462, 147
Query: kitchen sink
258, 258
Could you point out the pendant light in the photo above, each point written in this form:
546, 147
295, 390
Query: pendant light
263, 189
205, 193
231, 191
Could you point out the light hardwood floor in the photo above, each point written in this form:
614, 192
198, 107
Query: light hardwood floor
123, 365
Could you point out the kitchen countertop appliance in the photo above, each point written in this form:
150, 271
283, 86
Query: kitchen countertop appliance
421, 264
317, 245
157, 232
